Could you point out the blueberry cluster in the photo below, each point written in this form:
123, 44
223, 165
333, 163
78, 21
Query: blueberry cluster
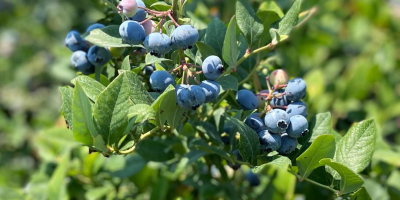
137, 30
286, 119
85, 55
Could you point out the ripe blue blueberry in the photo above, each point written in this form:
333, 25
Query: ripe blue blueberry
81, 63
160, 80
255, 122
269, 141
189, 97
212, 67
277, 121
246, 99
296, 89
298, 126
98, 56
74, 42
211, 89
128, 7
297, 108
279, 99
157, 44
288, 144
252, 178
94, 26
185, 36
149, 69
132, 32
140, 13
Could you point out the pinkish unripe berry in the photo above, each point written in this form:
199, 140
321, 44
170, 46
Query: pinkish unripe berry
278, 76
128, 7
149, 27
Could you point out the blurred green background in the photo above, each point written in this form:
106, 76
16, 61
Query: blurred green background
348, 52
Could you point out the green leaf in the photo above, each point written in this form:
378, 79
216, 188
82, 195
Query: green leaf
360, 194
91, 87
160, 6
67, 94
282, 162
249, 144
160, 188
375, 190
167, 109
200, 144
290, 19
107, 37
126, 65
154, 150
322, 147
215, 34
133, 165
205, 50
140, 113
150, 59
248, 23
103, 79
227, 82
355, 149
210, 130
57, 189
230, 48
111, 109
283, 182
268, 12
388, 156
349, 182
84, 129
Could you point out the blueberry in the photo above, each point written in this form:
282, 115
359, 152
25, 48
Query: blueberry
295, 89
255, 122
298, 126
269, 141
149, 27
189, 97
159, 80
149, 69
278, 76
279, 100
128, 7
277, 121
132, 32
81, 63
297, 108
140, 13
252, 178
211, 89
94, 26
98, 56
246, 99
212, 67
185, 36
288, 144
75, 42
157, 44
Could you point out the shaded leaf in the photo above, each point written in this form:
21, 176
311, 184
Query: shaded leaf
247, 21
227, 82
84, 129
67, 94
215, 34
230, 48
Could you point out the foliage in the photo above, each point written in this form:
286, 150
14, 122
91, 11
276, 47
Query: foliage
178, 152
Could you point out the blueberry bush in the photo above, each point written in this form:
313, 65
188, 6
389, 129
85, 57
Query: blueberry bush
168, 105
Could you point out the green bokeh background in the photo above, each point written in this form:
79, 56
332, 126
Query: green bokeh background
348, 52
